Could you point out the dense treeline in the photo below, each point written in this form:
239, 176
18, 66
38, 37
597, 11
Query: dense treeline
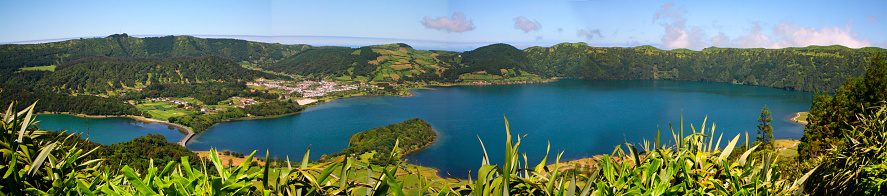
100, 74
19, 86
209, 93
811, 68
122, 45
412, 134
328, 61
831, 116
54, 102
209, 79
201, 122
491, 59
814, 68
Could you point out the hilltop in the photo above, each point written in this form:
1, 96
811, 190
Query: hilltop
214, 72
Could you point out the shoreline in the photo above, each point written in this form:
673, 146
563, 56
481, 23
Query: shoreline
485, 83
798, 115
436, 134
143, 119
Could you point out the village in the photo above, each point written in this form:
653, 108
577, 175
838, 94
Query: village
308, 88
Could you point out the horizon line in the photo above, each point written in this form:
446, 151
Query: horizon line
423, 44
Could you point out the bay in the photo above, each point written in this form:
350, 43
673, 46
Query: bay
107, 131
580, 118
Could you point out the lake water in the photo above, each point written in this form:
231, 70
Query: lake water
107, 130
581, 118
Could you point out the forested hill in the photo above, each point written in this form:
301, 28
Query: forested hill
100, 74
122, 45
813, 68
412, 134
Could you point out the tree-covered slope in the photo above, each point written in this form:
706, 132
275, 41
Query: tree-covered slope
96, 75
319, 61
497, 60
412, 134
811, 68
378, 63
122, 45
814, 68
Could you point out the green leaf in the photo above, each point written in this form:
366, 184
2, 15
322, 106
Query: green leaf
41, 158
728, 149
136, 182
26, 122
305, 158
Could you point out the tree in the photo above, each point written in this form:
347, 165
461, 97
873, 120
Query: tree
831, 116
765, 131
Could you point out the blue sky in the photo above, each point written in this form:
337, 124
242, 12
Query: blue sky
462, 25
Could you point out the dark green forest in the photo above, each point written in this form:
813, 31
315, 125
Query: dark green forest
831, 115
412, 134
99, 74
124, 46
813, 68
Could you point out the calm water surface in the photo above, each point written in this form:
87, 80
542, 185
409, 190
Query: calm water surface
107, 130
581, 118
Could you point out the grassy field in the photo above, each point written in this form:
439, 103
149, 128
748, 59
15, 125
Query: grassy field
39, 68
802, 117
162, 110
787, 148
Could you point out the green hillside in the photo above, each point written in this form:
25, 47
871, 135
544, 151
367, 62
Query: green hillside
813, 68
101, 74
122, 45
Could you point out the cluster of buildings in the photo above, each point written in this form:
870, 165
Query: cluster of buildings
308, 88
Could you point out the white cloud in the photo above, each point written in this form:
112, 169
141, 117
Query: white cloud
756, 39
794, 35
677, 35
589, 35
522, 23
457, 23
721, 40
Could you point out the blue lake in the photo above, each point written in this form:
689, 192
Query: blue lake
107, 130
581, 118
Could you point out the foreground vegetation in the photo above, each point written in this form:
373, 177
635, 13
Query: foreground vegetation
693, 164
841, 152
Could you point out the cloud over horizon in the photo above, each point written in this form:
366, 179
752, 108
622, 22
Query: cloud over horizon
524, 24
793, 35
677, 35
588, 35
457, 23
782, 35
